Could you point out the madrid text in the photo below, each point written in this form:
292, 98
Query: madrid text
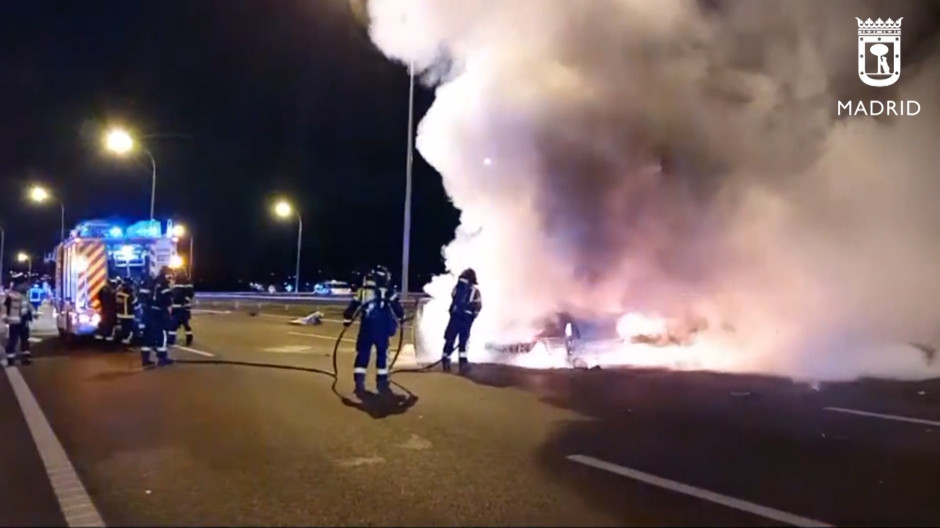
878, 108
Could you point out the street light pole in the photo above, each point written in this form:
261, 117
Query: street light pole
153, 183
62, 222
3, 241
191, 258
300, 234
409, 161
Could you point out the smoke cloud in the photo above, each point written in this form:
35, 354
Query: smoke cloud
677, 157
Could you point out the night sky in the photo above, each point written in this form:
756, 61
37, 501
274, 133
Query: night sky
248, 100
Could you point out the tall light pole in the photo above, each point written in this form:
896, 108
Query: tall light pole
284, 209
24, 257
180, 231
119, 141
3, 241
409, 161
39, 194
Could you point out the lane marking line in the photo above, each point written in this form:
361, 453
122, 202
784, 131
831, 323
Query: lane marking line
288, 349
196, 311
68, 488
194, 351
892, 417
318, 336
699, 493
35, 340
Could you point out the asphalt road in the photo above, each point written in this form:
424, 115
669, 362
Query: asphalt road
246, 431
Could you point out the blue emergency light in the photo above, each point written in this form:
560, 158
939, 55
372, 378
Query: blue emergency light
112, 231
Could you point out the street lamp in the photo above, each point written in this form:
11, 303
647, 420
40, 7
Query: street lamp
39, 194
179, 231
283, 209
176, 262
118, 141
24, 257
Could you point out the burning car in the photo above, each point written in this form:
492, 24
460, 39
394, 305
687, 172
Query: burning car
584, 341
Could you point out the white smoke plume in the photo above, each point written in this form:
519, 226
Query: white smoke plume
674, 156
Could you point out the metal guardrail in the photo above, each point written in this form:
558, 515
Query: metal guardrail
287, 298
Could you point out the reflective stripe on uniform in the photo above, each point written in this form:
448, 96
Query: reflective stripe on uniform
381, 372
359, 370
462, 355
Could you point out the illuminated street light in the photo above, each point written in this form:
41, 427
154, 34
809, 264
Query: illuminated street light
118, 141
283, 209
176, 262
39, 194
24, 257
180, 231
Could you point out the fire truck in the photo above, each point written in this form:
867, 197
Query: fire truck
98, 250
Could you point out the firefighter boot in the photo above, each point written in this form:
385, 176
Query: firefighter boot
360, 381
145, 360
445, 364
163, 360
383, 387
464, 367
189, 338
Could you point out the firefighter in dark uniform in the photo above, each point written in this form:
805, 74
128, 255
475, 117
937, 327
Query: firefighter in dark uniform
17, 314
126, 305
144, 291
108, 306
156, 318
465, 305
160, 315
183, 294
380, 311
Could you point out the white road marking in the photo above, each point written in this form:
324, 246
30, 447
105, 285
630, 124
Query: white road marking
35, 340
194, 351
883, 416
73, 499
360, 461
699, 493
416, 443
318, 336
289, 349
220, 312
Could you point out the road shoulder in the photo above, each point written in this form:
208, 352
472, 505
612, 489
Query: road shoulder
26, 495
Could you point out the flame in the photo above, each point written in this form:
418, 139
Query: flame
634, 325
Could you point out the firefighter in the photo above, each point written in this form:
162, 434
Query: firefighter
17, 314
183, 294
159, 316
465, 305
126, 304
108, 302
380, 311
144, 296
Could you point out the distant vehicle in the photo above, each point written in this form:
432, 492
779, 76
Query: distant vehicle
332, 287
